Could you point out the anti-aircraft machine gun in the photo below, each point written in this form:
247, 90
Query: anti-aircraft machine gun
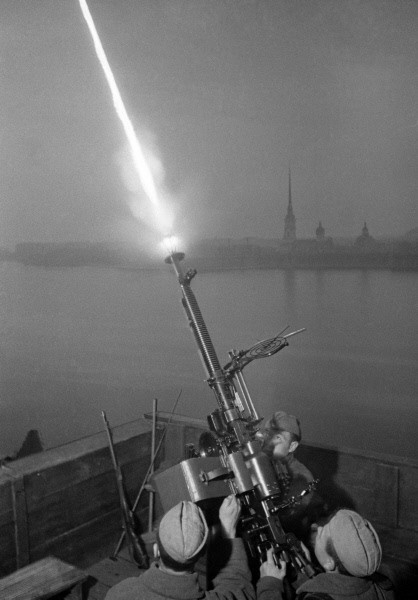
230, 459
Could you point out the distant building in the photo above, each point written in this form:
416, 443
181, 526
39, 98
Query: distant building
324, 243
365, 240
290, 220
320, 233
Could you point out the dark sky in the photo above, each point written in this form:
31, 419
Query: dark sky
227, 93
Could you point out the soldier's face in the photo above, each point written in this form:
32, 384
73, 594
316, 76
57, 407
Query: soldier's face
278, 445
319, 541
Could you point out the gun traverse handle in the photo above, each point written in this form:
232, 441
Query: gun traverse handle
297, 551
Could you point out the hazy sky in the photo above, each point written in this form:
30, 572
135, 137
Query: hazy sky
227, 94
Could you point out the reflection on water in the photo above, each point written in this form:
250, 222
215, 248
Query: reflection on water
78, 341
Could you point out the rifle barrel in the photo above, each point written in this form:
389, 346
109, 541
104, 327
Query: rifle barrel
128, 519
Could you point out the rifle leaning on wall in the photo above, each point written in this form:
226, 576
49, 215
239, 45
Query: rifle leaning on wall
149, 470
136, 551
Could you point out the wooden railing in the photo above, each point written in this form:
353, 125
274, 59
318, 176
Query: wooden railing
64, 501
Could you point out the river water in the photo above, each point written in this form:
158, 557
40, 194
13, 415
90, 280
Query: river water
77, 341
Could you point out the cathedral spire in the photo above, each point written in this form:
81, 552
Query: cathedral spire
290, 220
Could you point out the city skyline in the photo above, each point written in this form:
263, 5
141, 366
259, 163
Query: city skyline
224, 96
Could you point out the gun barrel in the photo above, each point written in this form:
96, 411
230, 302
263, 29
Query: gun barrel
110, 440
217, 379
288, 335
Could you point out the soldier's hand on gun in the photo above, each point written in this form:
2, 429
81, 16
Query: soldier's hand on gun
305, 551
229, 513
269, 568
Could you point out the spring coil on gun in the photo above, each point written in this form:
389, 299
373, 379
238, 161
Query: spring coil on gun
199, 328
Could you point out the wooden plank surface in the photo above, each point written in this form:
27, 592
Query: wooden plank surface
66, 510
408, 505
77, 449
20, 518
86, 544
58, 477
6, 479
40, 579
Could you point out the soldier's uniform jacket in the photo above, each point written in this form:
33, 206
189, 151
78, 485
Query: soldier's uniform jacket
330, 586
233, 582
299, 517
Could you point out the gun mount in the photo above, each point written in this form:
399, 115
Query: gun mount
230, 458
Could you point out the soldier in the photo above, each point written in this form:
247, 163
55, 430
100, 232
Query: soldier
349, 554
281, 437
182, 539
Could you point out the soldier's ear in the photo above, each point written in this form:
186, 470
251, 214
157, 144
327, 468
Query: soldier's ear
293, 446
329, 564
155, 550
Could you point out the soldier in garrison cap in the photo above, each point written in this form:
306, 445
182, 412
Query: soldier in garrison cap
348, 552
182, 538
281, 436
